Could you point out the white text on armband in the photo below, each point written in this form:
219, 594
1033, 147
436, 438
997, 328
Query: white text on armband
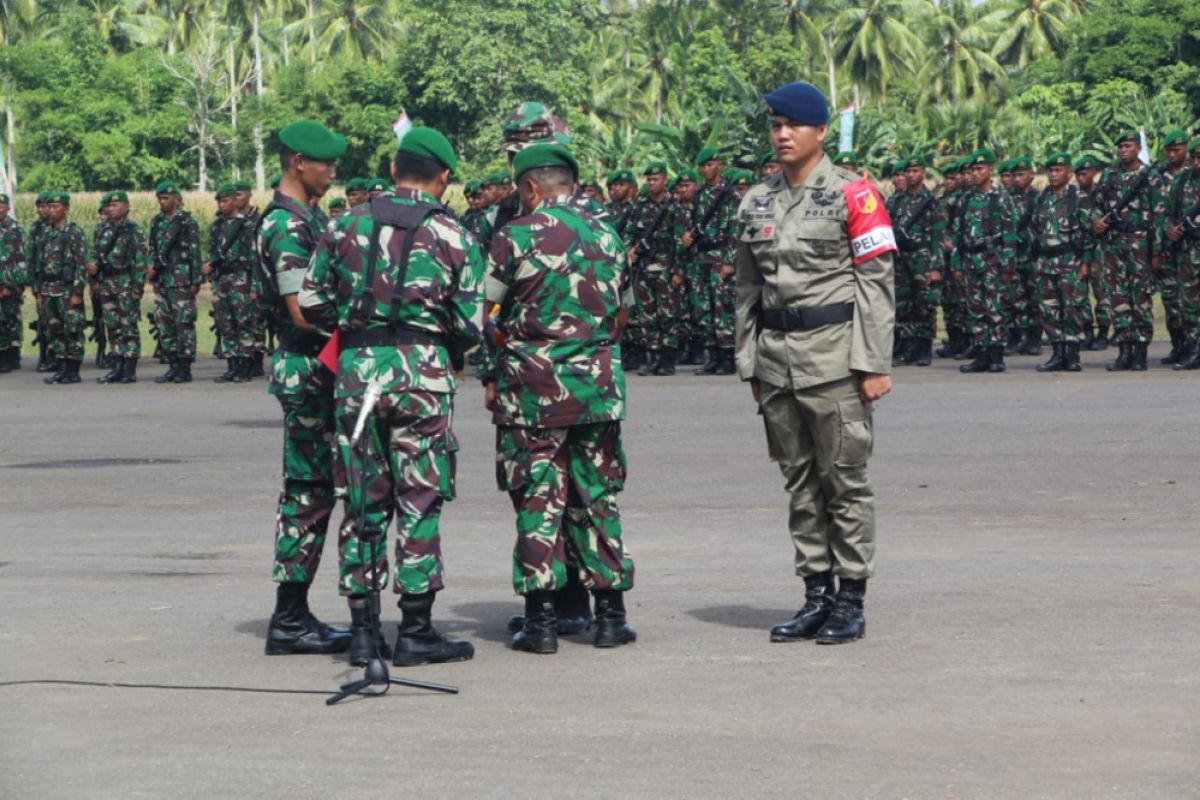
872, 243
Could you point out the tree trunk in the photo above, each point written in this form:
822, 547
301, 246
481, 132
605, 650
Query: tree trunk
202, 154
233, 104
832, 73
260, 177
12, 148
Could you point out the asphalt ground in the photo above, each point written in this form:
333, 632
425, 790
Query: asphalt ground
1031, 629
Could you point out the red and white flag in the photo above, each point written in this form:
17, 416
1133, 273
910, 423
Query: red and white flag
402, 125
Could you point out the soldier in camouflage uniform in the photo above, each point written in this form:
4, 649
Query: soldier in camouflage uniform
100, 237
475, 220
557, 395
12, 288
253, 220
35, 245
694, 290
1128, 210
1061, 244
402, 282
847, 160
657, 279
119, 264
953, 315
356, 192
985, 234
622, 192
768, 165
287, 238
231, 259
175, 273
337, 207
59, 281
1175, 152
1182, 228
919, 221
1025, 332
713, 235
1087, 170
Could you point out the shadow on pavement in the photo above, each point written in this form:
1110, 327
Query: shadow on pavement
742, 616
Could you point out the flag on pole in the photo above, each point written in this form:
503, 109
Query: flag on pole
402, 125
1144, 153
846, 130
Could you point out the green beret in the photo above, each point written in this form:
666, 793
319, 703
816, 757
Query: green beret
914, 161
898, 166
312, 140
337, 202
743, 178
618, 175
655, 167
768, 157
982, 156
707, 154
1129, 137
166, 187
104, 199
845, 159
689, 174
1173, 138
226, 189
674, 182
429, 143
58, 197
1060, 159
545, 155
471, 188
1023, 164
275, 179
242, 186
118, 197
41, 198
1193, 144
5, 198
377, 185
355, 185
498, 178
1004, 166
1088, 162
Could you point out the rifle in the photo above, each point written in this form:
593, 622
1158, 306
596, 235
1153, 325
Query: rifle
156, 334
98, 332
38, 326
160, 253
906, 242
699, 240
212, 314
1113, 217
644, 245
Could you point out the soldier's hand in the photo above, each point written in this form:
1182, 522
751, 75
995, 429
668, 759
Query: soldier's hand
489, 396
1006, 277
687, 239
195, 290
958, 276
137, 297
1100, 225
756, 389
93, 268
935, 276
1174, 232
872, 386
1156, 263
151, 273
1083, 272
677, 280
206, 268
76, 299
726, 271
254, 297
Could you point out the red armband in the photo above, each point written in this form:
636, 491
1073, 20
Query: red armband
868, 222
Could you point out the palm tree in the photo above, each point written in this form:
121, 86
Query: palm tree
958, 62
873, 44
353, 29
126, 24
1029, 29
19, 18
810, 24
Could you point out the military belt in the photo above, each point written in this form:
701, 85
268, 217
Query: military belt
389, 337
803, 319
302, 342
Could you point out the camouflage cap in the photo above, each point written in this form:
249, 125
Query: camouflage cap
226, 189
312, 140
1060, 159
532, 123
1174, 138
1129, 137
845, 159
655, 168
983, 155
545, 155
118, 197
242, 186
1088, 162
618, 175
337, 202
708, 154
166, 187
1022, 164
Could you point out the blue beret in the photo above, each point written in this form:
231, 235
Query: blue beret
799, 102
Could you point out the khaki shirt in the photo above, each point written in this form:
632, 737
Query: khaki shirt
794, 251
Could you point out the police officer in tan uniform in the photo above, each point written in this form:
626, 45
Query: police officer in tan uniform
815, 319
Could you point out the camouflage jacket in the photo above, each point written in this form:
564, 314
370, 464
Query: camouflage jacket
63, 266
1142, 217
286, 240
1024, 202
649, 230
680, 221
985, 227
102, 236
441, 295
919, 220
720, 233
124, 253
231, 246
476, 223
1183, 200
1060, 230
620, 214
34, 247
175, 249
13, 272
556, 275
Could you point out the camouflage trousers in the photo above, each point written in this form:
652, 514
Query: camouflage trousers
64, 322
1024, 306
304, 389
1130, 288
635, 329
406, 461
1064, 307
916, 298
11, 332
175, 315
1101, 314
563, 483
1169, 290
696, 299
235, 315
720, 298
1189, 291
985, 291
954, 305
821, 437
122, 315
661, 306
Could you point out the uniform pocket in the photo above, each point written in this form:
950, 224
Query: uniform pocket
855, 440
444, 454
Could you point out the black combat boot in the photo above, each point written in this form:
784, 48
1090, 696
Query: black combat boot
902, 353
59, 372
966, 348
365, 643
1013, 346
14, 359
846, 623
1189, 358
1177, 343
71, 375
648, 366
666, 362
727, 365
1056, 363
950, 345
572, 608
612, 630
1071, 357
539, 632
1089, 339
183, 373
1138, 361
114, 374
635, 356
818, 605
1102, 337
694, 356
1124, 358
231, 369
48, 364
245, 370
983, 360
923, 352
996, 362
713, 363
418, 642
128, 370
172, 371
6, 361
1033, 342
256, 365
295, 631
